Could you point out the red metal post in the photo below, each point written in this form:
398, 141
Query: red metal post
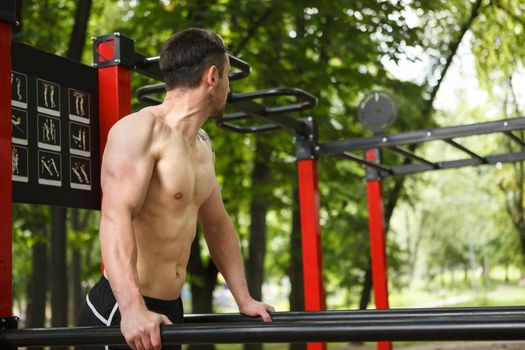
114, 88
6, 239
114, 94
376, 225
314, 297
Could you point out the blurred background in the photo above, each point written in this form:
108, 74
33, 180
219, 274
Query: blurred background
455, 237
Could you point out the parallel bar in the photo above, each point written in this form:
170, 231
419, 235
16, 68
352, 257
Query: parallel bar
6, 298
359, 160
421, 136
515, 139
355, 315
419, 330
412, 156
466, 150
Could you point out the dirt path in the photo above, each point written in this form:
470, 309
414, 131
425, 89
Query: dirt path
481, 345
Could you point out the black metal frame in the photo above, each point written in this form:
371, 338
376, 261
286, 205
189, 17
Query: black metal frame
125, 55
8, 11
448, 135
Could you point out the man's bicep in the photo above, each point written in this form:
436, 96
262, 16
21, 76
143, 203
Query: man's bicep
212, 211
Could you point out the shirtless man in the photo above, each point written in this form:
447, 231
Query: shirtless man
158, 180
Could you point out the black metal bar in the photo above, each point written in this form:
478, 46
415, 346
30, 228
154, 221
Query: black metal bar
306, 100
515, 139
453, 164
253, 109
149, 66
244, 68
360, 160
344, 315
412, 156
413, 137
143, 93
225, 122
248, 108
453, 143
472, 328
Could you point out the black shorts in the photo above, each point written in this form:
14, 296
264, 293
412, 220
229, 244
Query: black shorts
100, 308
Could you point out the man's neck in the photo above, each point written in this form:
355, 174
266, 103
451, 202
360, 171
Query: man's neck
185, 112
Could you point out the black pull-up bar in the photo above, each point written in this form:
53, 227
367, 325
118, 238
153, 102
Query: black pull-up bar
248, 108
148, 64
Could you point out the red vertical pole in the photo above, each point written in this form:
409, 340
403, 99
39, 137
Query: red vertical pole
114, 93
314, 297
376, 223
114, 87
6, 239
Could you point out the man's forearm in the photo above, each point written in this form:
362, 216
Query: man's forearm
226, 254
119, 254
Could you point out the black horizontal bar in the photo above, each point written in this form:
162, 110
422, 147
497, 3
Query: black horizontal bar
515, 139
360, 160
412, 156
149, 66
466, 150
274, 114
225, 122
143, 93
414, 137
342, 315
453, 164
471, 328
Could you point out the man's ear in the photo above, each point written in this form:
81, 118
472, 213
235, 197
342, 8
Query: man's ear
211, 75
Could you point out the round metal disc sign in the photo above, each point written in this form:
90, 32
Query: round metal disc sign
377, 111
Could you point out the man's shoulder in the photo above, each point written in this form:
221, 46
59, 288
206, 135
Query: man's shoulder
141, 122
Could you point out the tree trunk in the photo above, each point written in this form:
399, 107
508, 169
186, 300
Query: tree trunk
203, 279
296, 265
366, 292
78, 35
58, 269
37, 286
18, 28
257, 240
75, 271
75, 49
258, 209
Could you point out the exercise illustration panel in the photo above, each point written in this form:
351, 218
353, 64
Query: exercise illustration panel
54, 123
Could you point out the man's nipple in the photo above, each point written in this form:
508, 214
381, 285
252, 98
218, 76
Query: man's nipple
178, 195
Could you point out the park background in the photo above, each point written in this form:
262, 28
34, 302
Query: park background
455, 237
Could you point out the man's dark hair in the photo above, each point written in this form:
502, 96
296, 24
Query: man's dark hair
187, 54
